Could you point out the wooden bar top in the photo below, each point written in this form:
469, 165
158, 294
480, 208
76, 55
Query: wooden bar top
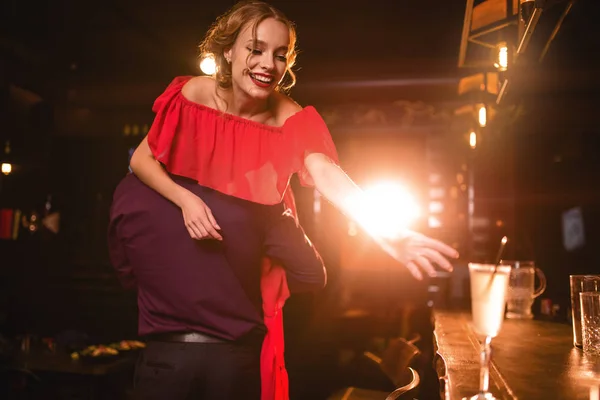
531, 359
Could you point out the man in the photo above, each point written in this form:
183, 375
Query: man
200, 305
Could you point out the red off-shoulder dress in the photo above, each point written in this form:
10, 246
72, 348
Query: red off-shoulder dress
251, 161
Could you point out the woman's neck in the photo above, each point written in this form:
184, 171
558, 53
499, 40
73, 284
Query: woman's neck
239, 103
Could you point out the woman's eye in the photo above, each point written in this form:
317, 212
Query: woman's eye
281, 58
255, 52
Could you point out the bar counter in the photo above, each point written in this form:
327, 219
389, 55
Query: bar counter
531, 359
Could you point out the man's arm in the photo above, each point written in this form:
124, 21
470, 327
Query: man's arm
118, 256
286, 243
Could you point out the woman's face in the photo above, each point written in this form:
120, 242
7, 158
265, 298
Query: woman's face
257, 68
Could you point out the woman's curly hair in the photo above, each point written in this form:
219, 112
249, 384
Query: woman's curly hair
224, 32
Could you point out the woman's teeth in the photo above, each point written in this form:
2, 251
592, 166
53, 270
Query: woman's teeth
261, 78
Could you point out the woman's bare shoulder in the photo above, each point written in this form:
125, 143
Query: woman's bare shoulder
285, 107
200, 89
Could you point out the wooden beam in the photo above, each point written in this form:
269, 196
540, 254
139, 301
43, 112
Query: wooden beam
464, 41
492, 11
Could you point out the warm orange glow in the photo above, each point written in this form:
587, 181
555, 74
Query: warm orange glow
436, 207
384, 209
434, 222
352, 229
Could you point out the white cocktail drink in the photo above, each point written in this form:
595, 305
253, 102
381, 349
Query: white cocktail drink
489, 284
488, 297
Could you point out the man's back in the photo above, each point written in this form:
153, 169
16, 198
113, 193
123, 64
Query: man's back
205, 286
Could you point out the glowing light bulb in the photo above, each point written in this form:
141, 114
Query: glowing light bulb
482, 116
473, 140
6, 168
208, 65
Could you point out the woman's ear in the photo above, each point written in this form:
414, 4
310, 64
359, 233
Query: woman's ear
227, 55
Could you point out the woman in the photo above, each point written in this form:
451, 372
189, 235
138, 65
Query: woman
254, 47
238, 133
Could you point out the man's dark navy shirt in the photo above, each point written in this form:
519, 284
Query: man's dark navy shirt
206, 286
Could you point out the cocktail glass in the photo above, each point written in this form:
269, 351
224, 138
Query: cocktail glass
489, 284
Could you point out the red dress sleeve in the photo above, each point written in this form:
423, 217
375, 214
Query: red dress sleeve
309, 134
162, 136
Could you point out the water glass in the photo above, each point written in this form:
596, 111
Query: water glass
590, 322
579, 284
521, 288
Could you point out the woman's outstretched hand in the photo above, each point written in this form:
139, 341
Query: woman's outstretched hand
198, 218
414, 250
418, 253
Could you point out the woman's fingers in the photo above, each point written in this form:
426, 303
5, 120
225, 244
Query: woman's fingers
425, 265
210, 225
212, 219
440, 247
414, 270
200, 230
438, 259
194, 232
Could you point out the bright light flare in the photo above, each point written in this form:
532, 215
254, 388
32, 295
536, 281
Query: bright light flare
384, 210
6, 168
208, 65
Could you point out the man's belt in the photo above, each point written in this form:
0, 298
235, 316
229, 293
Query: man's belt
185, 337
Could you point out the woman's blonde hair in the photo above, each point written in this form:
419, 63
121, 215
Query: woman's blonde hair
226, 29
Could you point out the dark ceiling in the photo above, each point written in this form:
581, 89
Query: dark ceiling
153, 40
54, 44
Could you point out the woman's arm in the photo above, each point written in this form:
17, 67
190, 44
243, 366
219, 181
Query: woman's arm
145, 166
197, 216
412, 249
